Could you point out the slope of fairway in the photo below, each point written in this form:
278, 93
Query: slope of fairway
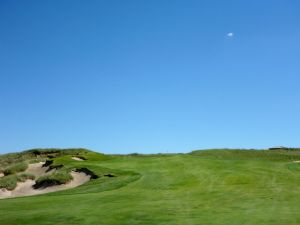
206, 187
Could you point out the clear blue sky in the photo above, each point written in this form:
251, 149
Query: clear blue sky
149, 76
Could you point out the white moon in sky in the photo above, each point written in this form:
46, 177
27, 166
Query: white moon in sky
230, 34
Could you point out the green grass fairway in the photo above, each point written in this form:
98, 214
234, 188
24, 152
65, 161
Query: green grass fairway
215, 187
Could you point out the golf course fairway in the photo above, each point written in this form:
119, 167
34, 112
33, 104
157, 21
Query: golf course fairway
211, 187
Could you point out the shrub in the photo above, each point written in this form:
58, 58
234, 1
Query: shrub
25, 176
15, 168
8, 182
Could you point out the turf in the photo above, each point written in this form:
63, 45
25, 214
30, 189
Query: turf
216, 187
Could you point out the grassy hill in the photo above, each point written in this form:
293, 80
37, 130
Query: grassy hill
213, 187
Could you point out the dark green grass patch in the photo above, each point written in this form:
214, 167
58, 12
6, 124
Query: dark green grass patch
294, 166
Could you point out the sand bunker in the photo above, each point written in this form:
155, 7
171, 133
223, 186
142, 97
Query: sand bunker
26, 188
37, 169
77, 159
296, 161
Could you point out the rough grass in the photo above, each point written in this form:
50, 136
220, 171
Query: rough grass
218, 187
57, 178
25, 176
40, 154
10, 182
15, 168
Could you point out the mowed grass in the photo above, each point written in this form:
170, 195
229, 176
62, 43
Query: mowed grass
206, 188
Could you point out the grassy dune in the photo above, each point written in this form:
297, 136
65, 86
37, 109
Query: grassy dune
215, 187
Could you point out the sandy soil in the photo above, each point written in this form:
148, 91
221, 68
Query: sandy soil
37, 169
26, 189
77, 159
